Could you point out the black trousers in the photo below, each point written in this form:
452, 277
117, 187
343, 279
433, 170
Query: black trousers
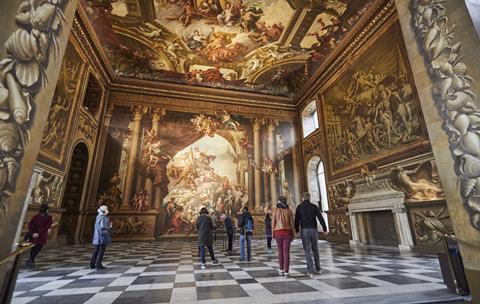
230, 241
34, 252
269, 242
97, 256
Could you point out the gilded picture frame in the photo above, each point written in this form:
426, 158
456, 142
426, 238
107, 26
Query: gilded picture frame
370, 110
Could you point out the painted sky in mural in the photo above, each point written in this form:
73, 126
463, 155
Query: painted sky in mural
236, 44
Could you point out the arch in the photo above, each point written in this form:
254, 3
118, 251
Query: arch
317, 184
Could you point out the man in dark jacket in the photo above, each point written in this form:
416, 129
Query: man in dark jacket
306, 218
205, 236
245, 223
230, 230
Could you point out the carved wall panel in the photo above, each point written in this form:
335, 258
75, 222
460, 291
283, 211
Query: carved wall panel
126, 225
45, 187
339, 225
87, 126
60, 119
429, 221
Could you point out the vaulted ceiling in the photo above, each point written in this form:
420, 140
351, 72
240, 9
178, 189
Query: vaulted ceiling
262, 46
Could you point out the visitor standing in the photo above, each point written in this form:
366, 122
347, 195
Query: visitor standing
230, 230
101, 237
245, 224
205, 237
283, 232
268, 231
38, 232
306, 218
214, 218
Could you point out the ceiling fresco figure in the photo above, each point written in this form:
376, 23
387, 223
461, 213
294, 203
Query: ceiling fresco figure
231, 44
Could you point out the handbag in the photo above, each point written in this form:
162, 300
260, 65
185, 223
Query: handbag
28, 235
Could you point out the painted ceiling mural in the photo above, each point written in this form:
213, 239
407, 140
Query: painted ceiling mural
264, 46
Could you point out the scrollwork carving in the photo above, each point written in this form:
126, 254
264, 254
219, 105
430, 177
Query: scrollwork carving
22, 76
457, 103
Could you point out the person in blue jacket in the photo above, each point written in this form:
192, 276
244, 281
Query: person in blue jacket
101, 237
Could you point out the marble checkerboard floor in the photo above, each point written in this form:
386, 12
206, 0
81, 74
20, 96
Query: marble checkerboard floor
168, 271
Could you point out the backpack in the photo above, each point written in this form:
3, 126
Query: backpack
248, 224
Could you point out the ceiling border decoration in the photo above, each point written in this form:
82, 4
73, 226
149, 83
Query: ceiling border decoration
456, 103
381, 14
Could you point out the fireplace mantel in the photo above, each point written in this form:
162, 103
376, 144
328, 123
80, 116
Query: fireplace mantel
375, 195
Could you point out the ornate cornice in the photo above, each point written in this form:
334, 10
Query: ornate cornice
84, 36
382, 12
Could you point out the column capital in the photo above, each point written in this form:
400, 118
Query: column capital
257, 123
138, 112
272, 124
157, 114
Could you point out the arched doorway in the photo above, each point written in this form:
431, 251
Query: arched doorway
317, 184
72, 196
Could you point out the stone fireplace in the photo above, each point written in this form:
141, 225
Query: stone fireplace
378, 215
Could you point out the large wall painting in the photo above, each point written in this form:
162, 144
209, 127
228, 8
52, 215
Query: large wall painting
64, 99
371, 109
177, 163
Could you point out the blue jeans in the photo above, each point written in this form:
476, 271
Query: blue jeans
202, 253
248, 237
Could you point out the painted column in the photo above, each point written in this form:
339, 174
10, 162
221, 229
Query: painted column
251, 187
133, 156
446, 95
257, 156
272, 151
157, 115
296, 165
266, 176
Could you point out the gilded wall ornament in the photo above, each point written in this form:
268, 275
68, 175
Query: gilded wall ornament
457, 104
45, 187
419, 183
22, 76
340, 194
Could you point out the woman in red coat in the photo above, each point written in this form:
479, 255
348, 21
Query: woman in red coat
38, 228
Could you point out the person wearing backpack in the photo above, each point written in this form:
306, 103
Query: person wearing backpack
245, 223
283, 227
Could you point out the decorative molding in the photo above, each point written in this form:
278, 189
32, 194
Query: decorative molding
87, 125
45, 187
457, 104
30, 49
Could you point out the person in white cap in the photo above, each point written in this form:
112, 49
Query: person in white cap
101, 237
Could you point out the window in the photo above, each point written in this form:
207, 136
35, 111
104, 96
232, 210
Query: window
310, 119
322, 186
317, 185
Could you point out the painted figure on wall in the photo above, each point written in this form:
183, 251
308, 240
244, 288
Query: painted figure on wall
222, 43
373, 108
179, 163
